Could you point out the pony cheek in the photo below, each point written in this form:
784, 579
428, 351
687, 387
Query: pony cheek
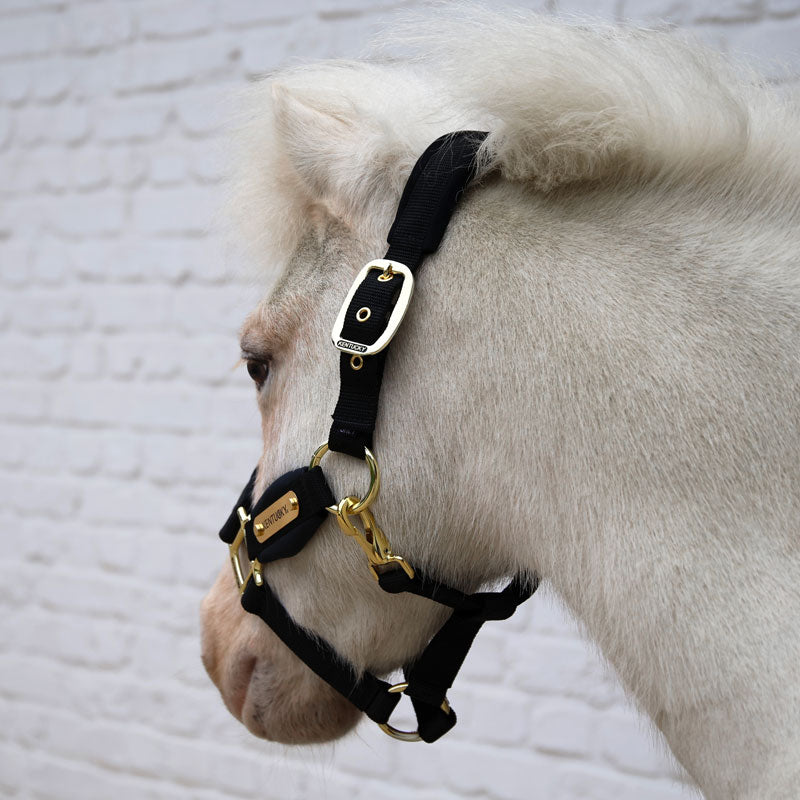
262, 683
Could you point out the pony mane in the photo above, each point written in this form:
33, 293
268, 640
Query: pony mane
564, 103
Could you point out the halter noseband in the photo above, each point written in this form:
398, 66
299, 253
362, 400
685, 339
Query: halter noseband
288, 513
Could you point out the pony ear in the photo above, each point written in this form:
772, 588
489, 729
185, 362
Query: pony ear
342, 156
313, 136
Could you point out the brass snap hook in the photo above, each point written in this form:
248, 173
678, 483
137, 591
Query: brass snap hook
372, 540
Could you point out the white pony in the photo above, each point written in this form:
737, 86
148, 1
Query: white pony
597, 381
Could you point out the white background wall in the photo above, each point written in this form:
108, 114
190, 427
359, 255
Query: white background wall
125, 433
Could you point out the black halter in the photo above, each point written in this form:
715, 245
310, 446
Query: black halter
288, 513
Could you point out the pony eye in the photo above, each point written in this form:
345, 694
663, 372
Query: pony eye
258, 371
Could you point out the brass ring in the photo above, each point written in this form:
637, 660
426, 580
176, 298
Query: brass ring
406, 736
356, 362
374, 478
363, 314
396, 733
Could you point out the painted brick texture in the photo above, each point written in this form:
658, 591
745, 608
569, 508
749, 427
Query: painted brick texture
125, 431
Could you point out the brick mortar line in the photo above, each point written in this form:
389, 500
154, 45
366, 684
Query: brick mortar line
112, 771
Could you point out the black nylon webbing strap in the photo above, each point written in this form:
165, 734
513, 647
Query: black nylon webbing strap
430, 196
430, 677
366, 692
489, 605
433, 673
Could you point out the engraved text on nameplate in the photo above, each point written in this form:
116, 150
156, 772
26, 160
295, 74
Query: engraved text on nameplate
276, 516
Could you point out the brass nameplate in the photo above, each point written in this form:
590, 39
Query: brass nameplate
277, 516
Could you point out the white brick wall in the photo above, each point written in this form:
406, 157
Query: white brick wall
124, 431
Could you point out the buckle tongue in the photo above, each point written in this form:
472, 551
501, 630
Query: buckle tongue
388, 270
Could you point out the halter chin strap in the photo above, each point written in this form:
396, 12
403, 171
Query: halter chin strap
286, 516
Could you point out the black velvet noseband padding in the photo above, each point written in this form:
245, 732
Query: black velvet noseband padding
313, 495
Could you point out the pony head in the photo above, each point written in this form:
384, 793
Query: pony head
479, 433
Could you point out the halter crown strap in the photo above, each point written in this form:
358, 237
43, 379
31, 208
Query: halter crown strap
430, 196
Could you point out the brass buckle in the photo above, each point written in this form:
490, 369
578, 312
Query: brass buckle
406, 736
388, 270
234, 549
